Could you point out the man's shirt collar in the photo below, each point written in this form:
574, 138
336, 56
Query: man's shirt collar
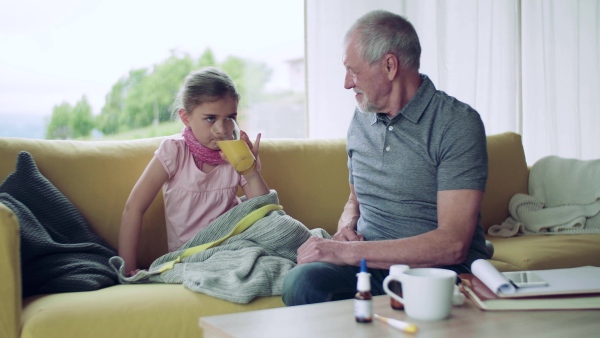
415, 108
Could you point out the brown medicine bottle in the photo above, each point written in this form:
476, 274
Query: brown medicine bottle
396, 287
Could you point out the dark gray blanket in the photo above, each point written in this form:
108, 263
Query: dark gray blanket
59, 250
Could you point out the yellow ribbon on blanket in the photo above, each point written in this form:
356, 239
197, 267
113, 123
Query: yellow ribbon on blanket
242, 225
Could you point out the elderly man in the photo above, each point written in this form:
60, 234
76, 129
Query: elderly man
417, 160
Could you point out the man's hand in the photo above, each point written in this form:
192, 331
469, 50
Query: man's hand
317, 249
348, 235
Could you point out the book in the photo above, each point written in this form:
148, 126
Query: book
487, 300
570, 281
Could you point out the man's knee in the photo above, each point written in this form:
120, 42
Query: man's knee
317, 282
297, 285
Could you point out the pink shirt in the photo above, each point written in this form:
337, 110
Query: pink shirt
193, 199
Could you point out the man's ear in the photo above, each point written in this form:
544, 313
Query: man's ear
183, 115
391, 65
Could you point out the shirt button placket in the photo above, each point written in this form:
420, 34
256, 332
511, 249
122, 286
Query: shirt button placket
390, 128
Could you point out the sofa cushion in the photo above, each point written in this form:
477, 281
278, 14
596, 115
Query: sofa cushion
150, 310
310, 177
539, 252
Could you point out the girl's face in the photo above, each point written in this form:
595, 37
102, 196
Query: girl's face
209, 121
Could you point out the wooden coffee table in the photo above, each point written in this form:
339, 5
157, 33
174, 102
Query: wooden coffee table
336, 319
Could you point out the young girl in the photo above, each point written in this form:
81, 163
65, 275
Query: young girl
198, 184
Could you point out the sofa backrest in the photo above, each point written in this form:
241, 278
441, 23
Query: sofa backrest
97, 177
310, 177
508, 175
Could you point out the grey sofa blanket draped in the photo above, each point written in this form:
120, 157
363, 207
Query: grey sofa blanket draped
243, 267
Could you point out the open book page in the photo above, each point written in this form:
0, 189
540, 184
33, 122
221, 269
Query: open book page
486, 300
491, 277
580, 280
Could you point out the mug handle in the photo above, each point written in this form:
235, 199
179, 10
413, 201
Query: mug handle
458, 298
386, 281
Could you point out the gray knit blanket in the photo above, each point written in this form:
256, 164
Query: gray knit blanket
564, 198
248, 265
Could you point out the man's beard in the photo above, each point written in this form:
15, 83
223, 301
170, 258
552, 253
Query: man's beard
366, 106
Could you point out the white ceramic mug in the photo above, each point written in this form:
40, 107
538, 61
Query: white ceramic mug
427, 293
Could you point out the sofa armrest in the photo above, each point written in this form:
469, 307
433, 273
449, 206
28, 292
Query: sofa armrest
10, 274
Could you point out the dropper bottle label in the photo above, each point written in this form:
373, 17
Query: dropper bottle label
363, 304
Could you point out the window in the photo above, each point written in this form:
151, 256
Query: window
75, 69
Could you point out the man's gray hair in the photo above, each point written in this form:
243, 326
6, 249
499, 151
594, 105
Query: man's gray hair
381, 32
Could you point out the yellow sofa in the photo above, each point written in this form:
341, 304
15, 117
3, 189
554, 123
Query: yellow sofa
310, 177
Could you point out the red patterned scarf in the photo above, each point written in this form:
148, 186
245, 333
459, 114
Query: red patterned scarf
200, 153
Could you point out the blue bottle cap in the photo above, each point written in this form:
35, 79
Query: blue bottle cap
363, 265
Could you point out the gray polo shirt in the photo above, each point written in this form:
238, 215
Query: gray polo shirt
397, 166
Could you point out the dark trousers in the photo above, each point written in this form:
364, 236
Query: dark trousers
319, 282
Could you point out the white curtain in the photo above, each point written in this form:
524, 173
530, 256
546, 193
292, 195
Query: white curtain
330, 106
531, 67
561, 78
